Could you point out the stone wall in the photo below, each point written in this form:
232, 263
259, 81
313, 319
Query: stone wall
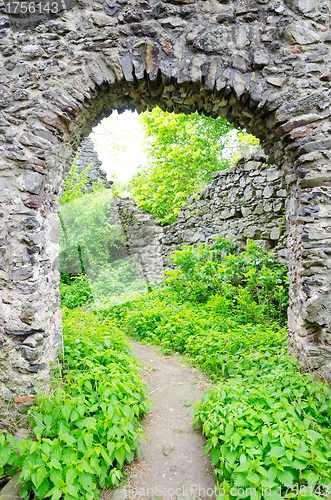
87, 156
143, 236
241, 203
263, 65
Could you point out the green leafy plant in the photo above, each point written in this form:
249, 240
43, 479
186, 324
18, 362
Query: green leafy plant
88, 426
75, 291
269, 432
114, 284
252, 281
267, 425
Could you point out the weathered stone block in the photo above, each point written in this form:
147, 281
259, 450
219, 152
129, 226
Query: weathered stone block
273, 174
31, 182
301, 32
22, 274
268, 192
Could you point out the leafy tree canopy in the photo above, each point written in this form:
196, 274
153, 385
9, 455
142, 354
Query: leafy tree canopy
182, 151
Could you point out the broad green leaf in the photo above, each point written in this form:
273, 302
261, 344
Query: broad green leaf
85, 480
277, 452
72, 490
88, 438
285, 477
57, 493
243, 467
120, 455
70, 476
39, 476
56, 464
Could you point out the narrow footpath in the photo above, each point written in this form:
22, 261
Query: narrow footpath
172, 461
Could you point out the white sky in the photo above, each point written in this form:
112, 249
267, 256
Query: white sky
118, 141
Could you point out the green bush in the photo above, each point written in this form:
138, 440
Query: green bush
251, 285
88, 426
75, 291
269, 430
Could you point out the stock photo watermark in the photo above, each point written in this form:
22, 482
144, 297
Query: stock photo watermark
42, 7
240, 492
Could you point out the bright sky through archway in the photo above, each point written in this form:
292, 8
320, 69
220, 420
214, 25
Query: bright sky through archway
118, 141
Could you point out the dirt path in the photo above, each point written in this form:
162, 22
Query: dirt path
172, 460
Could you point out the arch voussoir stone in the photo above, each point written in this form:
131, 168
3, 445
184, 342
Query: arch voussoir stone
264, 66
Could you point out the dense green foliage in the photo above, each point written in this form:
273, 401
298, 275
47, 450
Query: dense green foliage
114, 284
88, 425
89, 238
92, 257
182, 152
251, 285
117, 283
267, 425
221, 345
75, 291
269, 428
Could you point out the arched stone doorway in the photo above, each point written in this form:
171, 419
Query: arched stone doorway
264, 66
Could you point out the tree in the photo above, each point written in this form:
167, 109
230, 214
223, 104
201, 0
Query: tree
74, 183
239, 142
182, 152
93, 260
90, 237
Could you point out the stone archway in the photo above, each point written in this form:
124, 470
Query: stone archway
265, 66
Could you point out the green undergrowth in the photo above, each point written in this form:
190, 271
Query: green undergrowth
269, 432
87, 427
267, 425
218, 344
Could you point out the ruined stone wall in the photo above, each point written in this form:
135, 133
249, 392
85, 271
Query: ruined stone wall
143, 237
240, 203
88, 157
263, 65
